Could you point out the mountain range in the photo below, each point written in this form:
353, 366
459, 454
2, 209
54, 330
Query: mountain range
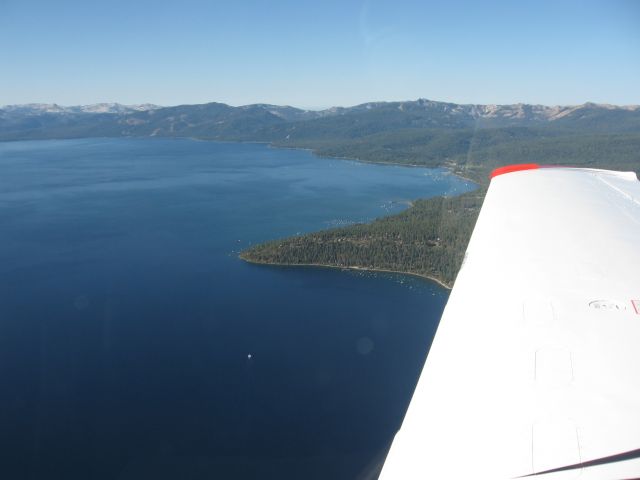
220, 120
467, 137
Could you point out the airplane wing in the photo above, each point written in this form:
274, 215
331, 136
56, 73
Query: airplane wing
535, 367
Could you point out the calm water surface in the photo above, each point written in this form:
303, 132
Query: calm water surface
127, 320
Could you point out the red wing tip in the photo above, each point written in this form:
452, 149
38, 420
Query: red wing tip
514, 168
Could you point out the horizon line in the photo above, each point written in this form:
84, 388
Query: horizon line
319, 109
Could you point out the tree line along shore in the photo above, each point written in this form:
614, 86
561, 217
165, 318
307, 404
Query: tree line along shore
430, 238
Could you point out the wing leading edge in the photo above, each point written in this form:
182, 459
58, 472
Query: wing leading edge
535, 368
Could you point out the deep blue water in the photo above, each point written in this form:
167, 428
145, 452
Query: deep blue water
126, 318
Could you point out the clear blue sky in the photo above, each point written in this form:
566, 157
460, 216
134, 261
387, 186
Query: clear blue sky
321, 53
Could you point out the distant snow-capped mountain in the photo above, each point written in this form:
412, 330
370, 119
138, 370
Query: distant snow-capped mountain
274, 123
517, 111
41, 108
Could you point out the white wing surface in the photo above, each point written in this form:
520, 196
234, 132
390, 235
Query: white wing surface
535, 367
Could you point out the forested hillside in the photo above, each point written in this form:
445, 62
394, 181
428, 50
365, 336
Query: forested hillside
470, 139
429, 238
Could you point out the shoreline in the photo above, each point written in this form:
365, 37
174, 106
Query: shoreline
410, 203
356, 268
313, 152
268, 144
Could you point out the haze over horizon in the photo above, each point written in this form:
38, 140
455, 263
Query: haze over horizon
320, 55
151, 105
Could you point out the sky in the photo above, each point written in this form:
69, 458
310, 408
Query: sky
319, 54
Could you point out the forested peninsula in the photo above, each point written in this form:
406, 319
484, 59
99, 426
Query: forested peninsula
430, 237
427, 239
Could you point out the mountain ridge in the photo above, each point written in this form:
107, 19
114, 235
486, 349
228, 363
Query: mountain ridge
103, 107
470, 139
475, 110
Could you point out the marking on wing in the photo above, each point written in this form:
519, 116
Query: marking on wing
513, 168
553, 367
608, 305
636, 306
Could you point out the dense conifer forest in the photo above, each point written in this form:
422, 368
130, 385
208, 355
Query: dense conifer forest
431, 236
427, 239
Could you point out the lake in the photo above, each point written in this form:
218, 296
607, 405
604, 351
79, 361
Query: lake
135, 344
